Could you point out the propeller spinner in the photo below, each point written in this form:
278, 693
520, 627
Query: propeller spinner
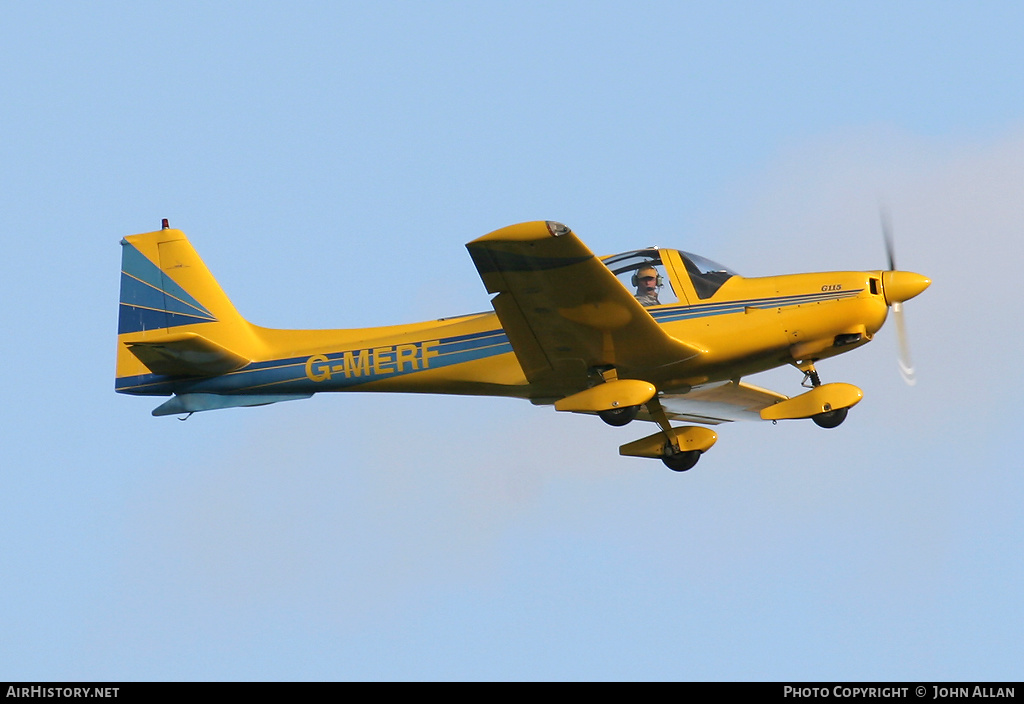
897, 287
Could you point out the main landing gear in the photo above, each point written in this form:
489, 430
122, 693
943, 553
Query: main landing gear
619, 416
618, 402
679, 449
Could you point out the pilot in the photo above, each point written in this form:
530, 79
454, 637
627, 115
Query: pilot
647, 282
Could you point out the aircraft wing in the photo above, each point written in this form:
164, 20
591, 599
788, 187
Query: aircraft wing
565, 312
716, 403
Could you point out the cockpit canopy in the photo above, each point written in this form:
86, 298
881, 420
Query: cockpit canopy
704, 275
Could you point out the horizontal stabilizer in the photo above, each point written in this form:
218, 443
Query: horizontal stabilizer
191, 403
185, 354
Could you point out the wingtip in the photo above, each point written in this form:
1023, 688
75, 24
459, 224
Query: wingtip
525, 232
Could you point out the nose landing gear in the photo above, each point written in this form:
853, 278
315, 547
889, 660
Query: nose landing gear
826, 404
828, 418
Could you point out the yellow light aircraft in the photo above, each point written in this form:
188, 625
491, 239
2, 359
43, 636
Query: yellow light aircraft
568, 329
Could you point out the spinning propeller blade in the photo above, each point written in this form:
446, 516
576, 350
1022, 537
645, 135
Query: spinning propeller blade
890, 247
900, 286
906, 365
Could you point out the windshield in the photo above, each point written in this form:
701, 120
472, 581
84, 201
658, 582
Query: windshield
707, 276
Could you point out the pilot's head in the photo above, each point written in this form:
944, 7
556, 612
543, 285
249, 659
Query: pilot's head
646, 281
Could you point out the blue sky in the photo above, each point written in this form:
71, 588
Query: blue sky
312, 150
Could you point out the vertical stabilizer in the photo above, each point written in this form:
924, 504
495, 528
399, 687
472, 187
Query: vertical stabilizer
171, 305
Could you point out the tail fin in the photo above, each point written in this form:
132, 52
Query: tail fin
174, 319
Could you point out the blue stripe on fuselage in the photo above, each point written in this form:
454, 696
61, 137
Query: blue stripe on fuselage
289, 375
673, 313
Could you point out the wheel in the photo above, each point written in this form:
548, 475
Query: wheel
830, 419
619, 416
681, 461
